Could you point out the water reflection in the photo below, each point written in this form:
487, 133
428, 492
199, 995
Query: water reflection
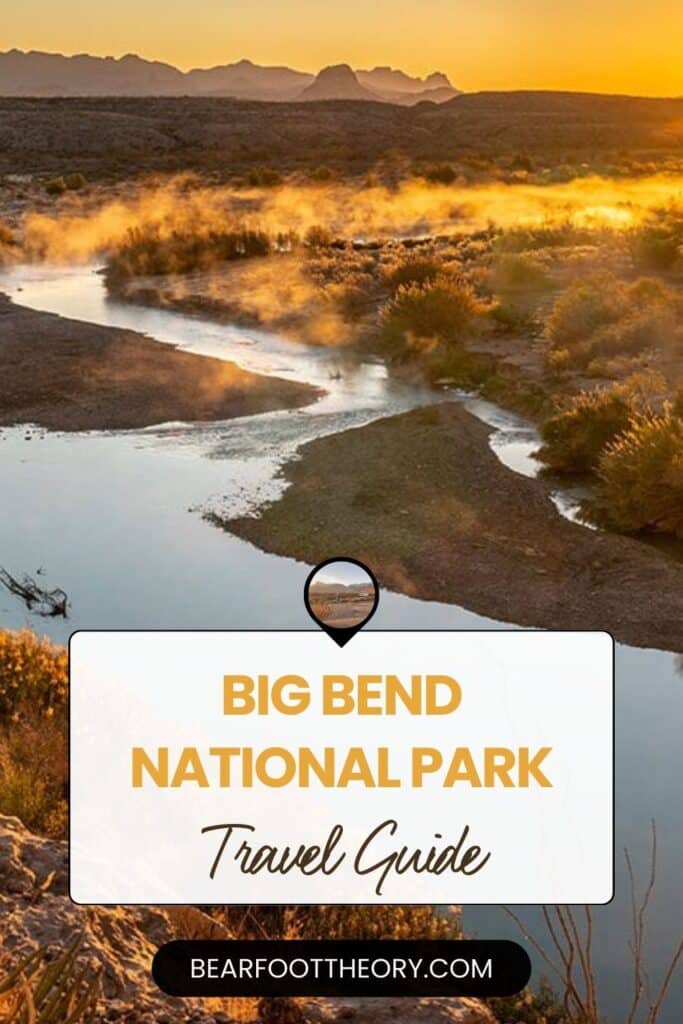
106, 516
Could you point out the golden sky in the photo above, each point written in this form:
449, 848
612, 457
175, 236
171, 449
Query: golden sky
631, 46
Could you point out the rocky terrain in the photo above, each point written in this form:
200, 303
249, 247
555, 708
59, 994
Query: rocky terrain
35, 911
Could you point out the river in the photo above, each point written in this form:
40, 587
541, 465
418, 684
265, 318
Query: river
115, 518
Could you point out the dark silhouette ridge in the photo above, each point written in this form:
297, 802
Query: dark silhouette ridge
38, 74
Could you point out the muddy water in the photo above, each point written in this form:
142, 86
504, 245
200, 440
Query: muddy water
115, 519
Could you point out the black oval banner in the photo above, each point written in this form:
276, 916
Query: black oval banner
345, 967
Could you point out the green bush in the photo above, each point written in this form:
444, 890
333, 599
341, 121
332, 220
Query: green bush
640, 477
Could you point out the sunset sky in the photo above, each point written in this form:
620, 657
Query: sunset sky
602, 45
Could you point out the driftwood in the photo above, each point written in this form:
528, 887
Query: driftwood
48, 603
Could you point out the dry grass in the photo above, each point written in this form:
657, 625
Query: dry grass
640, 477
567, 951
33, 748
601, 317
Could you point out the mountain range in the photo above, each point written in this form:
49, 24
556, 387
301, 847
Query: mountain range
34, 73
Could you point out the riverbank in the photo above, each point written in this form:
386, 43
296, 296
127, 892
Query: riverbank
71, 375
429, 507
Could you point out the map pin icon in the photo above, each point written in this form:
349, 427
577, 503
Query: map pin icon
341, 595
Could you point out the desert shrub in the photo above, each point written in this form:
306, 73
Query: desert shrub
7, 242
264, 177
604, 317
640, 477
148, 250
550, 234
340, 266
320, 175
342, 922
421, 317
657, 243
33, 676
439, 174
43, 989
6, 235
354, 296
582, 309
394, 922
637, 331
522, 162
74, 181
318, 237
511, 316
678, 403
55, 186
529, 1007
33, 773
412, 270
519, 270
575, 436
33, 759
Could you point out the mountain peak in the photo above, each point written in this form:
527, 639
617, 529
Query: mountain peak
340, 72
437, 80
336, 82
36, 73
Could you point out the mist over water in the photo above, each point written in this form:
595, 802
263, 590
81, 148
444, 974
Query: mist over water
79, 233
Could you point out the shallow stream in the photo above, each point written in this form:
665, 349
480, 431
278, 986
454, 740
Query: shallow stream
115, 519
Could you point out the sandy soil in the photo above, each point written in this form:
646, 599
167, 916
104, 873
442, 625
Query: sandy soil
428, 506
70, 375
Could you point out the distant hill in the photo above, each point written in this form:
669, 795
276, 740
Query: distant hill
97, 134
337, 83
332, 588
51, 74
34, 73
392, 80
383, 85
245, 80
